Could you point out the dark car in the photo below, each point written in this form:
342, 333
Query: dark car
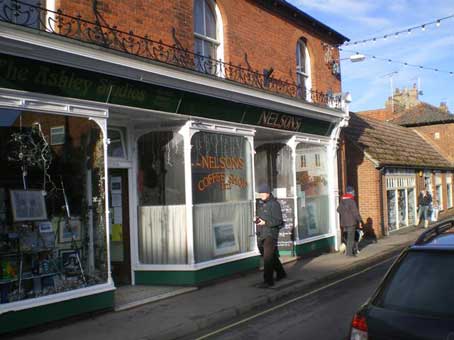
415, 300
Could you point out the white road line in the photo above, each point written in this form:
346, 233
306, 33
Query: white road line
223, 329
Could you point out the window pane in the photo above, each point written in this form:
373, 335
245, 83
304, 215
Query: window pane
161, 191
402, 208
449, 194
60, 200
391, 197
301, 56
198, 17
411, 207
222, 195
161, 169
210, 20
221, 168
273, 165
116, 148
312, 192
422, 284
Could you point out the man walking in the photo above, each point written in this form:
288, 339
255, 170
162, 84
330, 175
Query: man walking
269, 221
349, 219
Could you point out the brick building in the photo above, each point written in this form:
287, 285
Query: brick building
391, 154
173, 112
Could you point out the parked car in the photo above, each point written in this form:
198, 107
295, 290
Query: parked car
415, 299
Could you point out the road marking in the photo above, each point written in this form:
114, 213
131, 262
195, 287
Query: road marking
223, 329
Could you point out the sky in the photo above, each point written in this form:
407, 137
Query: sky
370, 81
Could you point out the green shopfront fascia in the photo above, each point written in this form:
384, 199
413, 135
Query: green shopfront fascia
192, 182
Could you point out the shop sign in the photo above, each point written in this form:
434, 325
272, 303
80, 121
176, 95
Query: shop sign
219, 168
36, 76
280, 121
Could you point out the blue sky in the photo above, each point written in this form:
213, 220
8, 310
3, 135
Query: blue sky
369, 81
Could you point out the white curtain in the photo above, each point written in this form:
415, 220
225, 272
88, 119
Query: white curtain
238, 215
162, 234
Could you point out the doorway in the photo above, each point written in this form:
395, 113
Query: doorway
120, 257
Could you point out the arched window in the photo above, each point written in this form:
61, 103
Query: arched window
207, 33
303, 72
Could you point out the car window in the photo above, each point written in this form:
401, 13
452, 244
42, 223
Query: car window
421, 284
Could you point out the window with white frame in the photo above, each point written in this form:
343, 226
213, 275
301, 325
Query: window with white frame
117, 145
401, 200
303, 161
317, 160
449, 190
57, 135
207, 36
312, 192
439, 191
303, 78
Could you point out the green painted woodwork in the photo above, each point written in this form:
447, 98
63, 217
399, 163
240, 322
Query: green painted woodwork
13, 321
53, 79
191, 278
323, 245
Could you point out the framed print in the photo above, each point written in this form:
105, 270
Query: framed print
69, 230
70, 260
28, 205
225, 241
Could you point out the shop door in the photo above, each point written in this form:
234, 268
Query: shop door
119, 231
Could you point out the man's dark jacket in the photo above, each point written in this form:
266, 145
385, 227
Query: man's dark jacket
348, 211
269, 211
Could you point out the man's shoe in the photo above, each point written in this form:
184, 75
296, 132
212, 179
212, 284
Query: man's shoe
265, 285
281, 277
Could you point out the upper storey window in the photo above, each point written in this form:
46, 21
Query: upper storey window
303, 72
207, 32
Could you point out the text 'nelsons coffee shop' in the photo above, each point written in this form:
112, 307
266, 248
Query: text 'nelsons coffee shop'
117, 170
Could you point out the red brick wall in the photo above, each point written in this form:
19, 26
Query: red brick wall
268, 39
362, 174
446, 132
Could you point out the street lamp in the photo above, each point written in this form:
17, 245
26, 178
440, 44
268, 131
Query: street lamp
355, 58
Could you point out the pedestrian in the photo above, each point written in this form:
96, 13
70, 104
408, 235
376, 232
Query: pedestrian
350, 220
424, 203
269, 221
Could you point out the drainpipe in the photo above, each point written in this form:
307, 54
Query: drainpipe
334, 190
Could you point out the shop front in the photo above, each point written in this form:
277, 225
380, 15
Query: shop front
54, 254
146, 183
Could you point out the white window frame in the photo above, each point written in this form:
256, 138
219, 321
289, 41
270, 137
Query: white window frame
219, 41
53, 134
439, 184
122, 140
303, 76
449, 203
402, 182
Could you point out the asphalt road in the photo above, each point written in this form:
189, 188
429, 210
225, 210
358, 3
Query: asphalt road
325, 314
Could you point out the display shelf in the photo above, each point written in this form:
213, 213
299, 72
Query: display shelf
5, 281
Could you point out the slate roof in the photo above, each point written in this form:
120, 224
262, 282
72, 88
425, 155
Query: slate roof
388, 144
423, 114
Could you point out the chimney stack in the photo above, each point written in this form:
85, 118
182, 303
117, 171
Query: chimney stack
444, 107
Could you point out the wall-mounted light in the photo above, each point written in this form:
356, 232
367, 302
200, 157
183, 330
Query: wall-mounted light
420, 173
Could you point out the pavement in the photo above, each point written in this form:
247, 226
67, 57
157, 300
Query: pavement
183, 314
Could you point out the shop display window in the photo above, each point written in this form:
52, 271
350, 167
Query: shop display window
222, 195
52, 205
312, 191
161, 196
274, 166
392, 211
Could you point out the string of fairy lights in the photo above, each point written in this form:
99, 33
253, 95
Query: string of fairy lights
409, 30
403, 63
423, 27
